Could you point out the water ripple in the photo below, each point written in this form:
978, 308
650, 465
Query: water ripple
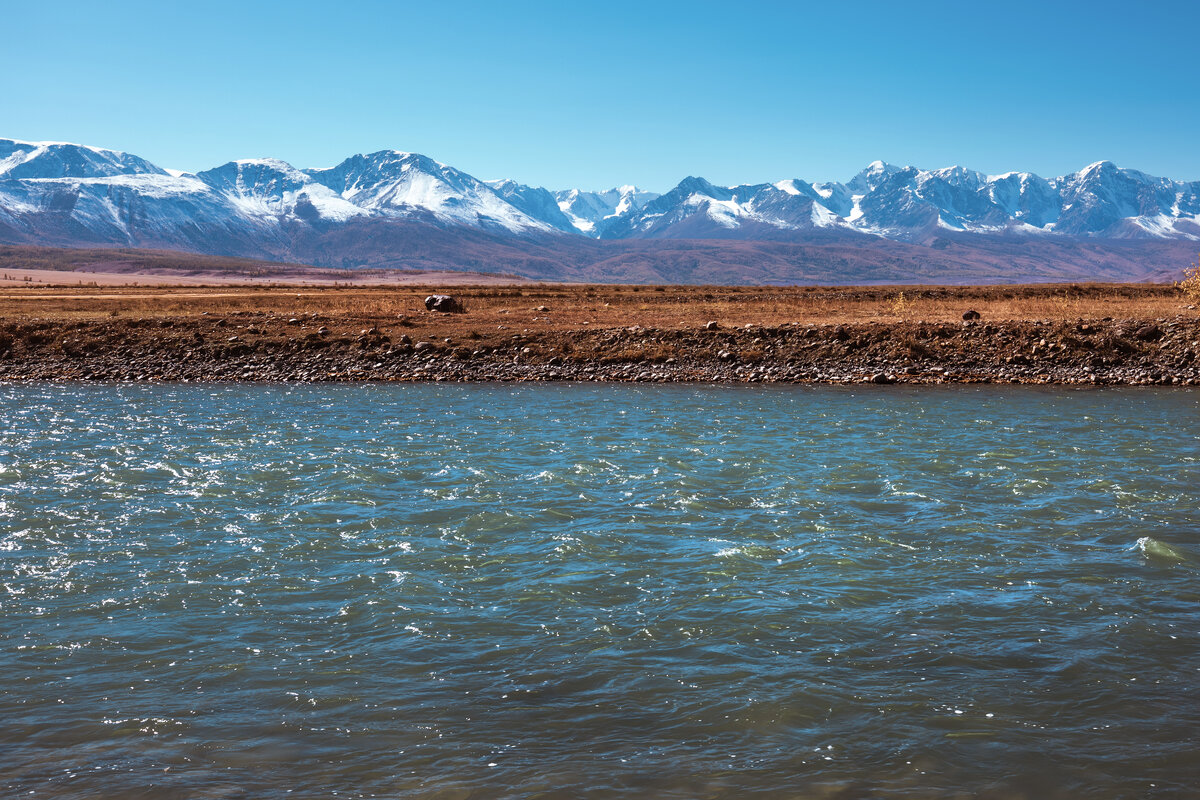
595, 591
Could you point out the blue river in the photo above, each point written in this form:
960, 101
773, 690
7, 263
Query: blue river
585, 591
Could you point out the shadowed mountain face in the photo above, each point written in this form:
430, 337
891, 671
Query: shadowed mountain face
394, 209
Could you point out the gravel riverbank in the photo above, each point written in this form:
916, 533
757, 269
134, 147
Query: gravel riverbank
253, 346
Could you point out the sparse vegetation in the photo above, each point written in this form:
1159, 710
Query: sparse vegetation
597, 306
1190, 285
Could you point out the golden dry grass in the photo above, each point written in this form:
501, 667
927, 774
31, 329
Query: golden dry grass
514, 309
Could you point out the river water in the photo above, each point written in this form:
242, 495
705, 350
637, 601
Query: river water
598, 591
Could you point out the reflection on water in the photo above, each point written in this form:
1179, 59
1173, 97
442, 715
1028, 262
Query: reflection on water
598, 591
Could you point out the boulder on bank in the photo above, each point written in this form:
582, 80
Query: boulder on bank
1148, 333
443, 303
970, 315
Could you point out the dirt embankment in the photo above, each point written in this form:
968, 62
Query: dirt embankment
228, 341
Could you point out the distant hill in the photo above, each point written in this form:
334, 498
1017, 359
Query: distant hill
125, 265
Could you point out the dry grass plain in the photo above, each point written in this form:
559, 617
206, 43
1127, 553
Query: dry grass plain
565, 307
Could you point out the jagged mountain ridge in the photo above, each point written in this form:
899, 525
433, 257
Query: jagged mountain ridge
375, 207
906, 203
588, 212
910, 204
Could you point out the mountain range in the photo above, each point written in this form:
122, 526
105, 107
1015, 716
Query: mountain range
405, 210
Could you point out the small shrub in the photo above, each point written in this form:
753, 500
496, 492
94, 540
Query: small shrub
1190, 285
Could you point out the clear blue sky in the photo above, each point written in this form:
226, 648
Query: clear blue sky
565, 94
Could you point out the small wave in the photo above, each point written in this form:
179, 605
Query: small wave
1160, 551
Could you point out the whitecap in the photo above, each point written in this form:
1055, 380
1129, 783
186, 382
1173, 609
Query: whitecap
1154, 549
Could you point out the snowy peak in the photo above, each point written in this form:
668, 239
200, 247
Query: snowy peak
394, 183
789, 205
366, 172
255, 176
1104, 199
535, 202
692, 196
52, 160
587, 211
957, 177
1025, 198
271, 188
698, 187
696, 208
870, 178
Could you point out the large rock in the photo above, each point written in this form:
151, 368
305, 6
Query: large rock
1149, 333
443, 303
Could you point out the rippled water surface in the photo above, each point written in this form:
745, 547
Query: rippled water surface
598, 591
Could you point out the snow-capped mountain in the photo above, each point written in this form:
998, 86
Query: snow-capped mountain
910, 204
53, 192
1103, 199
409, 185
268, 189
62, 160
537, 202
589, 212
696, 209
871, 177
56, 193
389, 202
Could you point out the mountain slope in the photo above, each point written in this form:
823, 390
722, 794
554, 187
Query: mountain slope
538, 203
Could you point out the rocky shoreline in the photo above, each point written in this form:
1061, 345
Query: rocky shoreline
265, 347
